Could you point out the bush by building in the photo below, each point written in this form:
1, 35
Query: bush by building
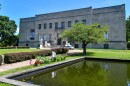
15, 47
22, 56
60, 50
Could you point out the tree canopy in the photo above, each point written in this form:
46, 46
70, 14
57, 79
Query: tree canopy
86, 34
7, 30
128, 29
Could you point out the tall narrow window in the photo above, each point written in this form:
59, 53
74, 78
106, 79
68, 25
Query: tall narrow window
69, 23
44, 37
106, 36
50, 25
50, 37
56, 25
45, 26
84, 21
63, 25
39, 26
39, 37
32, 34
57, 35
27, 37
76, 21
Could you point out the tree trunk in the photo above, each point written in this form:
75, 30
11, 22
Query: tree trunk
84, 48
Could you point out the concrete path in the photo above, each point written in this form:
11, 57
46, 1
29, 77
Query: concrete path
7, 67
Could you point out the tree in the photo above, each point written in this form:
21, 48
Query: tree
128, 29
86, 34
7, 30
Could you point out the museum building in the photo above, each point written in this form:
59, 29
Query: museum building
49, 27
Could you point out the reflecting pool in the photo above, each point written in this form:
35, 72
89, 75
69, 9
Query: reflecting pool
85, 73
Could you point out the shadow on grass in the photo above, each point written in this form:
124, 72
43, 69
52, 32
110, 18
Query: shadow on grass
80, 54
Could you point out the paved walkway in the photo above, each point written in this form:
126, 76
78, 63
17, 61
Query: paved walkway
7, 67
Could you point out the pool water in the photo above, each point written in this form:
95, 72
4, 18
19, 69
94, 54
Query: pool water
86, 73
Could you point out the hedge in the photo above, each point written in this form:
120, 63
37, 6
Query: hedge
22, 56
14, 47
60, 50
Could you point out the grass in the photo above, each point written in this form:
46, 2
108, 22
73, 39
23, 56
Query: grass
3, 51
102, 53
4, 84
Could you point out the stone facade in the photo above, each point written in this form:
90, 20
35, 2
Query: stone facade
50, 26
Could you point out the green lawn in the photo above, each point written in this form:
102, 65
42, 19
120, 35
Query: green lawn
4, 84
108, 53
3, 51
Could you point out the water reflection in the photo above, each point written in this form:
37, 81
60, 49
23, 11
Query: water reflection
87, 73
53, 74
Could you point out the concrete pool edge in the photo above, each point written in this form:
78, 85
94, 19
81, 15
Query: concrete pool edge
9, 78
107, 59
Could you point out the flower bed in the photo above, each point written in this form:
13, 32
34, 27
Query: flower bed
48, 60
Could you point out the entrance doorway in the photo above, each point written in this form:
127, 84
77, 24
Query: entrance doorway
106, 46
59, 41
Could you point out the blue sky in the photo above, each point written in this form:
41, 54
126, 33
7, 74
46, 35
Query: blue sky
17, 9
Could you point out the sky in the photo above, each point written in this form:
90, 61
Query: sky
16, 9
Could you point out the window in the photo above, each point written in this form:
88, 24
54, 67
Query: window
84, 21
76, 21
57, 35
44, 37
63, 25
32, 34
50, 37
27, 37
50, 25
45, 26
39, 26
39, 37
69, 23
56, 25
106, 36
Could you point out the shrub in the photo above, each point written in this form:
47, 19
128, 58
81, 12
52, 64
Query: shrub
60, 50
14, 47
0, 59
22, 56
